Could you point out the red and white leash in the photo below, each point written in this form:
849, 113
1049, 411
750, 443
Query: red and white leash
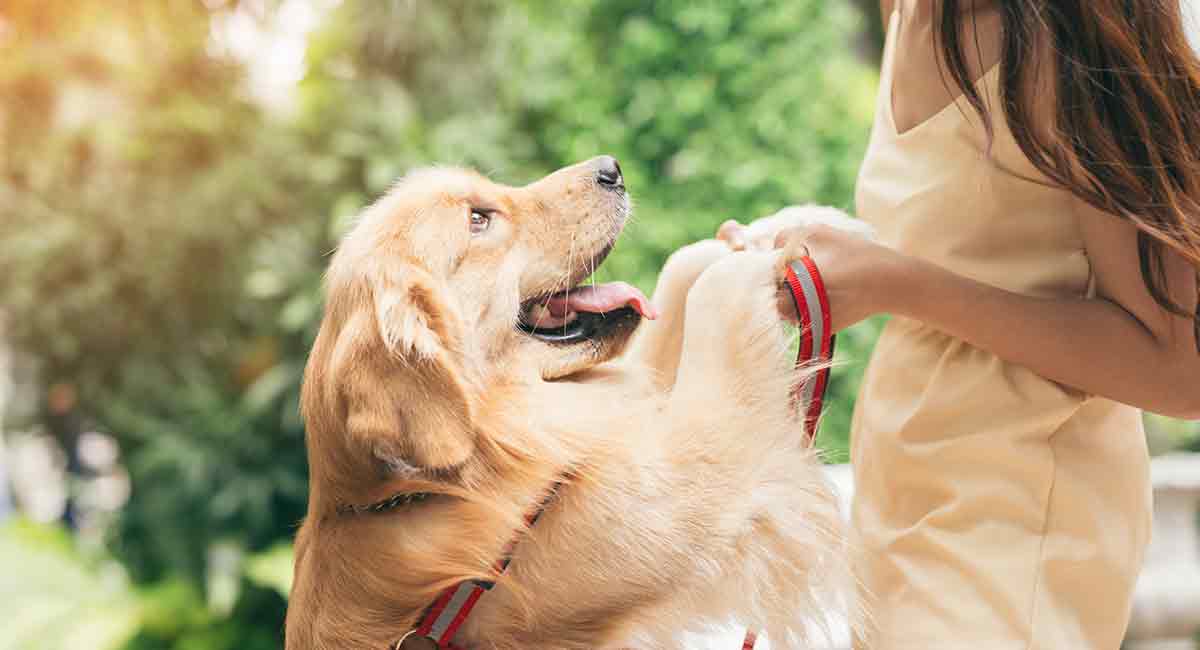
816, 338
447, 614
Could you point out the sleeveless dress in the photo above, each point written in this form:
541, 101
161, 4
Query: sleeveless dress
994, 508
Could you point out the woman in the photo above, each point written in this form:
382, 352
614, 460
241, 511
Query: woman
1034, 171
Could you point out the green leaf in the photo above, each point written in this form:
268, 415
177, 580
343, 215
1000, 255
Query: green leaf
272, 568
52, 598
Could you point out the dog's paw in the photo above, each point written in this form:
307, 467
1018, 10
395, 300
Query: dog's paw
761, 233
803, 216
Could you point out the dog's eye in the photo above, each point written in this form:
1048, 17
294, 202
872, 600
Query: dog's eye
479, 221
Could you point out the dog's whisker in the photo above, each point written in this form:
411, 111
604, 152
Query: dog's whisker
566, 280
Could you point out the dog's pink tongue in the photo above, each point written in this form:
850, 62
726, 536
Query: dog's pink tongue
601, 298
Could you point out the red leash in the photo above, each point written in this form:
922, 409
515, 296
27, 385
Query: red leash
447, 614
816, 331
441, 621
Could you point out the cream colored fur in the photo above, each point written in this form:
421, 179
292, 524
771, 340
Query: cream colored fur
689, 500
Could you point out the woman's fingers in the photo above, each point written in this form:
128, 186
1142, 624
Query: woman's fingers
793, 239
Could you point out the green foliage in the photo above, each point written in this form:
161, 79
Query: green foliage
226, 464
176, 617
133, 206
272, 569
128, 171
717, 111
56, 598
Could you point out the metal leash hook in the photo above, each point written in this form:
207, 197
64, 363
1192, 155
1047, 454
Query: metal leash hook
411, 641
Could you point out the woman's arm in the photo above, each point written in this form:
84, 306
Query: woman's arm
1120, 344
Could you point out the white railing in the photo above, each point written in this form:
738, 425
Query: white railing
1166, 609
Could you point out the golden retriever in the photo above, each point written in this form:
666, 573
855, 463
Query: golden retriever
460, 360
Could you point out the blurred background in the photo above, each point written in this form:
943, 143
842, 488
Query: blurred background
174, 174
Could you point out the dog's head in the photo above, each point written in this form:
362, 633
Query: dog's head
452, 284
454, 259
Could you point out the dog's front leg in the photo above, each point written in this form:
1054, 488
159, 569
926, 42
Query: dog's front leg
658, 343
737, 430
734, 345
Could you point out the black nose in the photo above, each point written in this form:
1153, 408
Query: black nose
608, 173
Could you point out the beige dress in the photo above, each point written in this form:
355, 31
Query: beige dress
995, 509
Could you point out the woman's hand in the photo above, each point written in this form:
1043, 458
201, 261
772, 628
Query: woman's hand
1119, 343
859, 274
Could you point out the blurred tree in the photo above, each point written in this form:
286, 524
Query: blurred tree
130, 189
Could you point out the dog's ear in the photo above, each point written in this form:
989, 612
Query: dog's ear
404, 387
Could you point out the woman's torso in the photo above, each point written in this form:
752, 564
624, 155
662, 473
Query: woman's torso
992, 504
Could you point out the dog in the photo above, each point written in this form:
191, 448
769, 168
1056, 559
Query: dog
462, 376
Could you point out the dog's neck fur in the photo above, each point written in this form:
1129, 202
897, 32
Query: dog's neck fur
518, 456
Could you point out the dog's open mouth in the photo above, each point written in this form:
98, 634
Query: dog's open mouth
583, 312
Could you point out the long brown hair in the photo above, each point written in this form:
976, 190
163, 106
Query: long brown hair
1126, 131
